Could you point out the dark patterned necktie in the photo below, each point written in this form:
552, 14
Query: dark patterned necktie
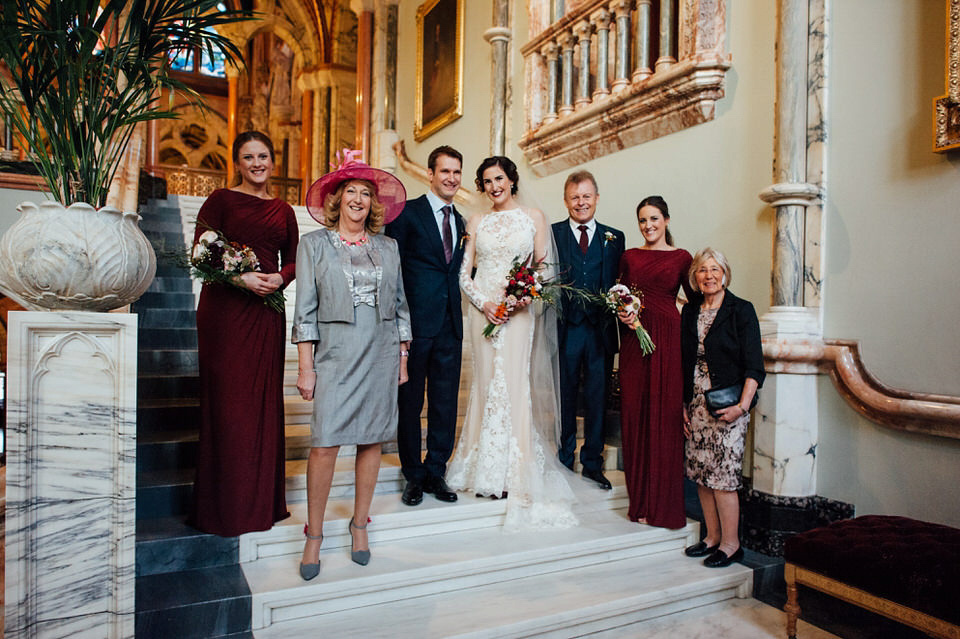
447, 235
583, 238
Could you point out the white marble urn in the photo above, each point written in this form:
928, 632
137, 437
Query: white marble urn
76, 258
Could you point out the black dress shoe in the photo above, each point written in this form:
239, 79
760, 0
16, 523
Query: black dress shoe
700, 549
412, 493
438, 487
719, 558
598, 477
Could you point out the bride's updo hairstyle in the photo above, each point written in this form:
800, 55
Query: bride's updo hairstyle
504, 163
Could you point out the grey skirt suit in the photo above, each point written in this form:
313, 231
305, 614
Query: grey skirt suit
350, 302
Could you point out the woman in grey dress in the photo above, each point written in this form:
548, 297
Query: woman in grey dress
352, 330
721, 348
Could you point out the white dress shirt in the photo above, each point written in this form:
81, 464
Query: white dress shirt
591, 229
437, 205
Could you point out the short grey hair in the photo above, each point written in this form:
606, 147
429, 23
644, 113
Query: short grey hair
700, 258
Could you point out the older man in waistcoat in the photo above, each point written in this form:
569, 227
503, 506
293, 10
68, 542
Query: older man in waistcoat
589, 255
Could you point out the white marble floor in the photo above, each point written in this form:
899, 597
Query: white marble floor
731, 619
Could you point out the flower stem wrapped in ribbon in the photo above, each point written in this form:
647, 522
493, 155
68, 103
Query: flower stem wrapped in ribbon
217, 260
621, 299
524, 284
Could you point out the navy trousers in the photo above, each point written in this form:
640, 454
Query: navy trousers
583, 364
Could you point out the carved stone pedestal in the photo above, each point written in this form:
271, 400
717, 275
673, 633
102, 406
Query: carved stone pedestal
71, 475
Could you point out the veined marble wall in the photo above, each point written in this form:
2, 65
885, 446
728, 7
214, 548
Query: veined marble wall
71, 475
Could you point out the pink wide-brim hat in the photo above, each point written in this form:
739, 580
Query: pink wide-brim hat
390, 190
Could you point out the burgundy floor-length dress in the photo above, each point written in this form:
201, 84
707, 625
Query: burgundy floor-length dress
651, 387
239, 485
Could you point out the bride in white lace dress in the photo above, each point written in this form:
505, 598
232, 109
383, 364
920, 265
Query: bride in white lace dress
508, 443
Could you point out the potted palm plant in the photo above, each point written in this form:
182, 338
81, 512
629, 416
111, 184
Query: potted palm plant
79, 77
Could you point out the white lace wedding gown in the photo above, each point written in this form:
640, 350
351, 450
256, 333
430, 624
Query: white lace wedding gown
507, 443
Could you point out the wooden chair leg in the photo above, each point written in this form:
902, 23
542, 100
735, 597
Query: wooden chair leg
792, 608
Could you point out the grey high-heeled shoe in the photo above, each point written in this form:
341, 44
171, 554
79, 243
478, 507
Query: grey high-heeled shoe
309, 571
361, 557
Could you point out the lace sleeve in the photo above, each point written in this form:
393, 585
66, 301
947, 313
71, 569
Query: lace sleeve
470, 288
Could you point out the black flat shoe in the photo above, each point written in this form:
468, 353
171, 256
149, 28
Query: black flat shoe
412, 493
598, 477
439, 489
719, 558
700, 549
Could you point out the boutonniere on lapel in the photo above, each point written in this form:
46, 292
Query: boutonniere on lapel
463, 239
607, 238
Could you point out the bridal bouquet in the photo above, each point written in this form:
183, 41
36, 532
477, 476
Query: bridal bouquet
217, 260
525, 283
619, 299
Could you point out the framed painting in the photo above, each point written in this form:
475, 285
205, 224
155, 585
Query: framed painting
439, 66
946, 108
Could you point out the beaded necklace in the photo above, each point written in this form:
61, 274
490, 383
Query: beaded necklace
360, 242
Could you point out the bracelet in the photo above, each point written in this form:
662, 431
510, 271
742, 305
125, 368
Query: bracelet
305, 372
404, 353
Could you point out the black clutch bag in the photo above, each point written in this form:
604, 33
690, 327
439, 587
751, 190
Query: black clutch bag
719, 398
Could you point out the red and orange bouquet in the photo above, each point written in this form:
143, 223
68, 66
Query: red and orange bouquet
217, 260
525, 283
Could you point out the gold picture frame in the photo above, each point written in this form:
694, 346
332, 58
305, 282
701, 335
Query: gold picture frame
439, 66
946, 108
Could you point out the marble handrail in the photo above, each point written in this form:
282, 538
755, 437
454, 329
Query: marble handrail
916, 412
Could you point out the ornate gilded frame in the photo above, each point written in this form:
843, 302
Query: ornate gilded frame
946, 108
439, 66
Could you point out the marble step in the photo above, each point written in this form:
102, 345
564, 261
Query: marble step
168, 544
165, 492
170, 449
398, 521
167, 300
194, 604
168, 360
166, 337
416, 566
161, 386
389, 480
167, 318
576, 602
175, 284
160, 222
167, 415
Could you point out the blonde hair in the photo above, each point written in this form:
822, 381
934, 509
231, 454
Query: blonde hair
701, 258
331, 207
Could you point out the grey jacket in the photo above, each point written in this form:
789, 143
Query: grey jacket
324, 290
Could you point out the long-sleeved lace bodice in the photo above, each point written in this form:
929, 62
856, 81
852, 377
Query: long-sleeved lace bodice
507, 443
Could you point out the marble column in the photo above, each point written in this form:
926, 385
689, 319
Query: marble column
642, 68
567, 42
786, 420
601, 20
383, 117
71, 475
666, 59
499, 38
621, 10
583, 31
549, 52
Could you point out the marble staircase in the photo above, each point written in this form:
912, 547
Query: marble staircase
445, 570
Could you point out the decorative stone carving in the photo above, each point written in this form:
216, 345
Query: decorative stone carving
681, 93
76, 258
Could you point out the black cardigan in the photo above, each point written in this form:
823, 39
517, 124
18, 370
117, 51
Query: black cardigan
732, 345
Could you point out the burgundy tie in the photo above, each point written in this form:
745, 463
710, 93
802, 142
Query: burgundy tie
447, 235
583, 238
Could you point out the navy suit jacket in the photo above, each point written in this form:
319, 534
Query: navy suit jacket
431, 285
611, 251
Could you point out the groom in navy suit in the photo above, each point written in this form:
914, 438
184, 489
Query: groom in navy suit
429, 234
589, 255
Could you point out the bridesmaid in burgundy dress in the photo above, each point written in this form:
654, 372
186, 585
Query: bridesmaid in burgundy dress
651, 405
239, 485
